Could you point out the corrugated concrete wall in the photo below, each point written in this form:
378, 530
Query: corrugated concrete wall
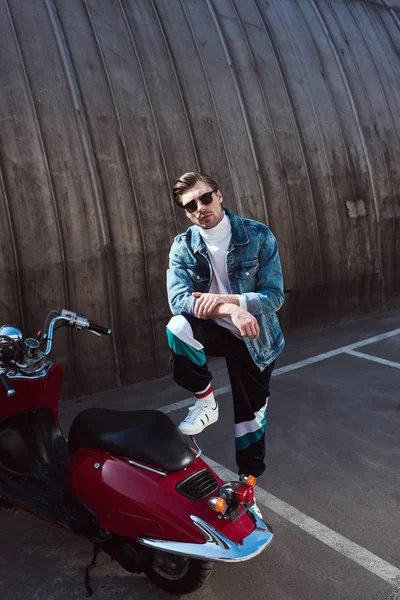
292, 105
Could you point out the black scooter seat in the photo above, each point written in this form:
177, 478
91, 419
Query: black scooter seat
148, 436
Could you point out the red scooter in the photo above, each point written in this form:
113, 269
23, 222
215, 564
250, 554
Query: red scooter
128, 481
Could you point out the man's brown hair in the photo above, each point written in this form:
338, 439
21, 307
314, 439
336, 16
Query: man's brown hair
188, 180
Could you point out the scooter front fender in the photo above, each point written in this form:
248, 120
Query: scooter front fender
217, 547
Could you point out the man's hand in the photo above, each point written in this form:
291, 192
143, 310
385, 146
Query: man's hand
214, 306
246, 323
206, 303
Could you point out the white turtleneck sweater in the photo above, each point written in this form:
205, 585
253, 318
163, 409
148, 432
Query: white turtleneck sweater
217, 241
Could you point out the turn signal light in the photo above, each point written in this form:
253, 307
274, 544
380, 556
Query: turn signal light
217, 504
251, 480
220, 505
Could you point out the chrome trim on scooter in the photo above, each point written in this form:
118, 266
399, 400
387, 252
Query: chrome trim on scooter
13, 333
51, 330
217, 547
38, 375
199, 450
136, 464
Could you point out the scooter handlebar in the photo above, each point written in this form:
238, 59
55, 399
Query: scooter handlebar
82, 323
99, 329
7, 384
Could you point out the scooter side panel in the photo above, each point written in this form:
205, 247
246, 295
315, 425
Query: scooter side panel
125, 498
32, 393
135, 502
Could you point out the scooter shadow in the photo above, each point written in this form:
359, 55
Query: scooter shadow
41, 562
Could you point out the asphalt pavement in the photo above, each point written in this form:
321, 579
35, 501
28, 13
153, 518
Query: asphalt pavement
331, 490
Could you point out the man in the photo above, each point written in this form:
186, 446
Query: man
224, 288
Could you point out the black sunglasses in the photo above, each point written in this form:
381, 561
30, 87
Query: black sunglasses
205, 199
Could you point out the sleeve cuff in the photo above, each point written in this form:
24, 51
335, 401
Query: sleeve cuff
254, 305
242, 301
190, 305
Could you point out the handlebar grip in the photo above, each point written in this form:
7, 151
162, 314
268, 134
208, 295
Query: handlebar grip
100, 329
7, 385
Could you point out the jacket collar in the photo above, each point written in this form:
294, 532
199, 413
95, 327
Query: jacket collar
239, 234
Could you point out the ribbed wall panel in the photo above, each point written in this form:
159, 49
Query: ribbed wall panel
292, 105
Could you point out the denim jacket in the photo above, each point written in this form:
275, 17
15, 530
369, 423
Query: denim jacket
254, 270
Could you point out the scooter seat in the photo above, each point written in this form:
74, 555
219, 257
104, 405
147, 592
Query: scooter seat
148, 436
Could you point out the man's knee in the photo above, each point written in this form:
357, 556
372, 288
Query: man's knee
179, 328
178, 325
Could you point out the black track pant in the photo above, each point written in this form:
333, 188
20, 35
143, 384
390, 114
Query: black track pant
250, 386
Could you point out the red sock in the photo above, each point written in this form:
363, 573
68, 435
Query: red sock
206, 396
205, 393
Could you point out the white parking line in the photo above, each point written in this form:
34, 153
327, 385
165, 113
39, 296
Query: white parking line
325, 355
334, 540
382, 361
302, 363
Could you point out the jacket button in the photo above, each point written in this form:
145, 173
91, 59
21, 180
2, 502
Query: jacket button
247, 273
197, 276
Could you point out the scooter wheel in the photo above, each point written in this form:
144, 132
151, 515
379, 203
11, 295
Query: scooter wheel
178, 574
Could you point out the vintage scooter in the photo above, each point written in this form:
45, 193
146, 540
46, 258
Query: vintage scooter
128, 481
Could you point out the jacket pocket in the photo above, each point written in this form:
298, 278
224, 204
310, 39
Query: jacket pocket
247, 270
196, 274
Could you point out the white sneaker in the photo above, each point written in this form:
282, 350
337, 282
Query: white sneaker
257, 510
200, 416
